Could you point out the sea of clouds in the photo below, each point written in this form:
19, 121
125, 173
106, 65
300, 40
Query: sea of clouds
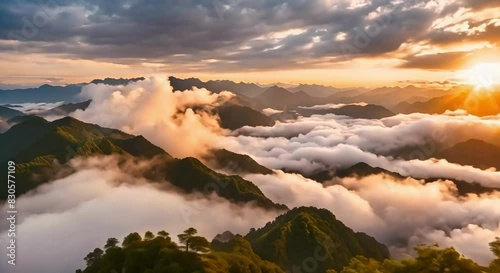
71, 216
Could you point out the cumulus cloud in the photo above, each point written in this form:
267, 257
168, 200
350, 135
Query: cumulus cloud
401, 214
151, 108
64, 220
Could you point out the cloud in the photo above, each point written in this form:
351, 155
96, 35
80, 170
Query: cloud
446, 61
36, 108
271, 111
151, 108
400, 214
330, 142
257, 34
450, 60
66, 219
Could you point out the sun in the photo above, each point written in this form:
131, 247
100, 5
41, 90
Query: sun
481, 75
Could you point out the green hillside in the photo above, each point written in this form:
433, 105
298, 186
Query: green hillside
307, 232
41, 149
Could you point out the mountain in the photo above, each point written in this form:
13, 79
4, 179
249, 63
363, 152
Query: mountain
235, 163
363, 169
120, 81
479, 103
45, 93
7, 113
41, 149
360, 169
354, 111
473, 152
245, 89
50, 94
390, 96
315, 90
345, 94
65, 109
279, 98
236, 116
302, 233
191, 175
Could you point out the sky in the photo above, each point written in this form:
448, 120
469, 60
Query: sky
332, 42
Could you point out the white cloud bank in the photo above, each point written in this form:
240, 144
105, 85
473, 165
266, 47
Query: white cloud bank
68, 218
400, 214
151, 108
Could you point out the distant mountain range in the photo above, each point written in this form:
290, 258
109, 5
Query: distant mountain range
249, 94
363, 169
479, 103
245, 89
50, 93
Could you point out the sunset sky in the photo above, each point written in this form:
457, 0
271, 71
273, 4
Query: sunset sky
331, 42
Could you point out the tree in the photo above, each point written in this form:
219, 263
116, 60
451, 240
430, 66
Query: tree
93, 257
149, 235
495, 248
195, 243
431, 259
131, 238
185, 237
163, 234
110, 243
199, 244
360, 264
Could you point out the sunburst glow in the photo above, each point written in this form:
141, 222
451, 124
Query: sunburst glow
481, 75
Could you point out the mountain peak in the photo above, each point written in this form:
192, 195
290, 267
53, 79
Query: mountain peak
225, 237
310, 227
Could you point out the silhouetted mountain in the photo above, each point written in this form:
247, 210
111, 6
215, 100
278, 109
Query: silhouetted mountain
315, 90
345, 94
50, 94
234, 163
246, 89
479, 103
41, 149
354, 111
45, 93
473, 152
8, 113
304, 232
279, 98
120, 81
235, 116
390, 96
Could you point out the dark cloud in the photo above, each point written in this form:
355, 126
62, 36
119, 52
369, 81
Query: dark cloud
239, 34
438, 61
450, 60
